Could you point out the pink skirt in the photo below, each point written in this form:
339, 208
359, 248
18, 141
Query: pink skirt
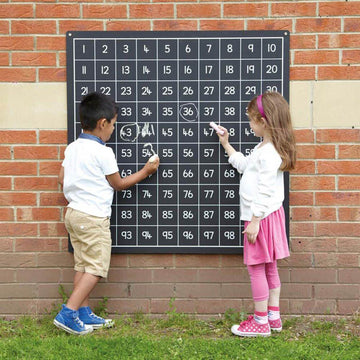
271, 243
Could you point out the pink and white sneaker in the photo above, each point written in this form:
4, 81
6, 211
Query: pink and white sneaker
275, 325
250, 328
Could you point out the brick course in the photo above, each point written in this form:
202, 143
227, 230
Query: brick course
324, 34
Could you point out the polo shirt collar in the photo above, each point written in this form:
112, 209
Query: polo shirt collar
91, 137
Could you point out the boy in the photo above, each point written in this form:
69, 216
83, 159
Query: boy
89, 175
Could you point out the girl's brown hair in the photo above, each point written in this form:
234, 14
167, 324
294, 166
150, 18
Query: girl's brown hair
278, 124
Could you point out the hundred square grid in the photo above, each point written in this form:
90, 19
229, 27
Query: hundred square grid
169, 86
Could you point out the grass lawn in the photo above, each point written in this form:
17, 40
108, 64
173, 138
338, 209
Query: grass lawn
179, 336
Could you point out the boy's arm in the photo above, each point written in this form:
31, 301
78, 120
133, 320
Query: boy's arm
61, 176
119, 183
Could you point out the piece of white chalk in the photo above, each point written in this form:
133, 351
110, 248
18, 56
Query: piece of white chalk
153, 158
216, 128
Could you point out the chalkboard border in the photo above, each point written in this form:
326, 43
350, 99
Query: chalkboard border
285, 34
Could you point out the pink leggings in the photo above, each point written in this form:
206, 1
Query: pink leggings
263, 277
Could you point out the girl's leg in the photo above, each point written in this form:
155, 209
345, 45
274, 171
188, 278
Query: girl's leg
257, 325
274, 297
260, 291
259, 284
273, 279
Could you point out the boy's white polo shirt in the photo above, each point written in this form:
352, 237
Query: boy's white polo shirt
86, 163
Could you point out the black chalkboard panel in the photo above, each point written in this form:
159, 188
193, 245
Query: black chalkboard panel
169, 86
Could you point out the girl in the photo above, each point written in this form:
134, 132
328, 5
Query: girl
261, 197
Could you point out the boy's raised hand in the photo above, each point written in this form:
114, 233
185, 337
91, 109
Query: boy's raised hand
152, 165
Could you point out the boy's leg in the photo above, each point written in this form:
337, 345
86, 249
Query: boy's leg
68, 318
94, 252
77, 277
84, 285
77, 317
86, 315
91, 239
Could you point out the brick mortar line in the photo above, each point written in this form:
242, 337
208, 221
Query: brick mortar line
221, 17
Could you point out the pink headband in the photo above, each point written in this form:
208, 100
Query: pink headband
260, 106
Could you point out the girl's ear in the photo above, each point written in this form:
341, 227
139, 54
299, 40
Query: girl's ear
264, 122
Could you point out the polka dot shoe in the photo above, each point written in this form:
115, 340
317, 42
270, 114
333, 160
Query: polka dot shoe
275, 325
250, 328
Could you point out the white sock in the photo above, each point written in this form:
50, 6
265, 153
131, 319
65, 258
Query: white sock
261, 319
273, 315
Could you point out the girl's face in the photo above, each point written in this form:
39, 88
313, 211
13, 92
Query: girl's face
257, 127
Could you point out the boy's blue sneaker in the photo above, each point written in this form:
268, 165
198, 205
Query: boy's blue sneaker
68, 320
89, 318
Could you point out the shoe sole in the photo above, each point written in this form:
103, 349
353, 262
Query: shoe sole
276, 329
108, 324
252, 334
96, 326
71, 331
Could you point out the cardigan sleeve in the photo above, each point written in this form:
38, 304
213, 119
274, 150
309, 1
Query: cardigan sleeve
238, 161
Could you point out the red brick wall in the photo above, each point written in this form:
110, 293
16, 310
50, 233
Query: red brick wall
325, 35
321, 276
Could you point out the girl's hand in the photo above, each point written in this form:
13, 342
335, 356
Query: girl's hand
224, 141
224, 138
252, 230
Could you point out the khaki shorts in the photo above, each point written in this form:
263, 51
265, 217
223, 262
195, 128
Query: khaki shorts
91, 239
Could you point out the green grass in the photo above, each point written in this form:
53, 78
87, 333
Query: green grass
180, 336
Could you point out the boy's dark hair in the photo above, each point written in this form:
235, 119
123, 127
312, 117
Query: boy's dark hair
96, 106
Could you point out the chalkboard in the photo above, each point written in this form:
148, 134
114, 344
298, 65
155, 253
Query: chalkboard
169, 86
